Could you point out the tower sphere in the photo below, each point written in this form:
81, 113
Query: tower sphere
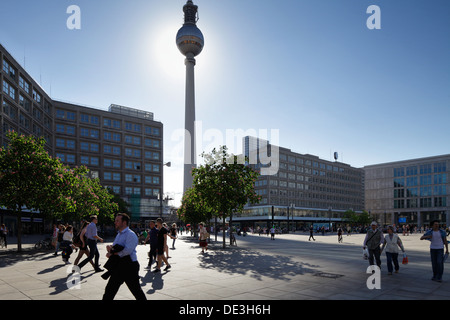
190, 40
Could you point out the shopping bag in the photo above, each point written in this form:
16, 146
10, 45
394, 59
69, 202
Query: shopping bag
405, 259
445, 257
365, 254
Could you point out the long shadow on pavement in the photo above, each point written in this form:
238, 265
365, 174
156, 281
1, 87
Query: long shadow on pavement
254, 264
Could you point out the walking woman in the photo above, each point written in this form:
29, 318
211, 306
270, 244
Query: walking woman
67, 245
392, 242
203, 235
84, 247
173, 234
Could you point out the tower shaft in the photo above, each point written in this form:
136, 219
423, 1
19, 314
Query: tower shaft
189, 124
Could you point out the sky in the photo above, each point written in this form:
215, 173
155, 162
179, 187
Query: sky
308, 73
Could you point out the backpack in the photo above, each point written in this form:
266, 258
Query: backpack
77, 240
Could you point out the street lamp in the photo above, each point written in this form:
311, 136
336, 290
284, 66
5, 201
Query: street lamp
160, 195
291, 206
329, 218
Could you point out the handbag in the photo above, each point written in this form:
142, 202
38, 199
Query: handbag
405, 259
365, 254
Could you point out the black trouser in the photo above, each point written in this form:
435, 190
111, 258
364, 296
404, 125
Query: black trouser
93, 253
127, 271
66, 249
152, 254
375, 253
3, 235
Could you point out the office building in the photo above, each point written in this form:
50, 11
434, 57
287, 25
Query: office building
413, 192
121, 146
303, 190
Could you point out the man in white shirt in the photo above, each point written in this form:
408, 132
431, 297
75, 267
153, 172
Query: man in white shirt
127, 269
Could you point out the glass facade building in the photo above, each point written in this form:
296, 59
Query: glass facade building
413, 192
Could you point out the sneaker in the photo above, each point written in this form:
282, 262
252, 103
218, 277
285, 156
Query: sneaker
168, 267
156, 270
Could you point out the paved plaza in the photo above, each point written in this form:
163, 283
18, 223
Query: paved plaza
287, 268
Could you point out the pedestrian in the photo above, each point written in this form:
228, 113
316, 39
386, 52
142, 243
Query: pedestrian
55, 236
67, 244
203, 236
166, 246
92, 238
84, 250
152, 237
311, 233
272, 233
373, 240
438, 239
3, 234
392, 242
59, 238
339, 232
173, 234
127, 267
162, 242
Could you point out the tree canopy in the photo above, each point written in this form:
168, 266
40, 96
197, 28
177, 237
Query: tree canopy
223, 185
32, 179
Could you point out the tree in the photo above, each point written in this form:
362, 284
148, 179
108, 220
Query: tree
92, 198
193, 208
354, 218
30, 178
225, 184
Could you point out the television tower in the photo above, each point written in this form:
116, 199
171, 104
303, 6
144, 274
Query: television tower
190, 43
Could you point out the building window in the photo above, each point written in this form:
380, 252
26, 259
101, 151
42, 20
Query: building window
425, 168
84, 118
9, 90
152, 131
116, 164
9, 69
36, 96
440, 178
112, 123
411, 171
399, 172
440, 167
